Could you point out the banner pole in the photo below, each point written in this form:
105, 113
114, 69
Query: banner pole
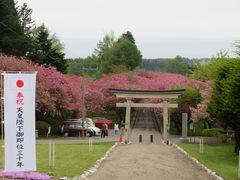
53, 154
50, 153
199, 145
90, 145
2, 121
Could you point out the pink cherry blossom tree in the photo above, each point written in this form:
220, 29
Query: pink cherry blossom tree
56, 91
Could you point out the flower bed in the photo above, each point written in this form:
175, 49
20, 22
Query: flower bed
25, 175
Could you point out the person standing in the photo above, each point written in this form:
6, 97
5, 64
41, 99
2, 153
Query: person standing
103, 133
116, 129
122, 125
122, 128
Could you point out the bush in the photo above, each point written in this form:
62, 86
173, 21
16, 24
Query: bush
42, 128
212, 132
173, 129
228, 137
55, 123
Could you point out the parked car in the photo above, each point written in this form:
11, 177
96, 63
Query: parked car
74, 127
96, 130
100, 120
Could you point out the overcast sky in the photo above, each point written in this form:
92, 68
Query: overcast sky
161, 28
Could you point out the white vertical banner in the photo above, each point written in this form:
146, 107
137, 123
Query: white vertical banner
19, 121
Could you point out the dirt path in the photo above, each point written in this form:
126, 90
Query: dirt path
148, 162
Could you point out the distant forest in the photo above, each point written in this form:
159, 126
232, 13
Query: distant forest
157, 65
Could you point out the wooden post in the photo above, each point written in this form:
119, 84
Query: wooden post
127, 119
140, 138
165, 120
151, 138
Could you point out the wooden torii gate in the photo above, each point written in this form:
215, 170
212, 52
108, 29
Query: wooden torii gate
143, 94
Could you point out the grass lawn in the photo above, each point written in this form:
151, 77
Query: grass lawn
219, 157
71, 159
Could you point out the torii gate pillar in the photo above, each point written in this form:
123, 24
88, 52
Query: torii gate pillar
165, 121
127, 119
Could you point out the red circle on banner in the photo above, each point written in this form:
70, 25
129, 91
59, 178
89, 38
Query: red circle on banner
20, 83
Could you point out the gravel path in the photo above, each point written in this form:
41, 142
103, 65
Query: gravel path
148, 162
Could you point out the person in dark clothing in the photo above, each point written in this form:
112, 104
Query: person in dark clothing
103, 133
122, 125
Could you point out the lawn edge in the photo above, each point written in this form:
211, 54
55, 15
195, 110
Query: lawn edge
209, 171
94, 168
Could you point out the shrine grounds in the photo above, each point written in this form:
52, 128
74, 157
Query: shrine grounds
73, 158
163, 162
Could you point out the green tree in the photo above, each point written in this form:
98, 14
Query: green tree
209, 71
104, 45
155, 65
13, 40
76, 67
225, 101
128, 35
189, 98
177, 66
115, 56
25, 19
47, 49
124, 53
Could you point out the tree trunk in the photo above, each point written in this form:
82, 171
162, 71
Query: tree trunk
204, 125
237, 141
209, 124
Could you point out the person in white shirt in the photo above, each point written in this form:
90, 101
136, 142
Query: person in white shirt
116, 129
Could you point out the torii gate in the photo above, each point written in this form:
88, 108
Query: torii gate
142, 94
